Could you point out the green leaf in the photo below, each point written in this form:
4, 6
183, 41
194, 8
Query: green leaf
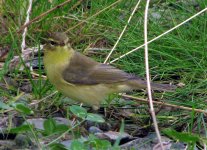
49, 126
61, 128
100, 144
57, 146
20, 129
182, 136
23, 109
95, 118
4, 106
77, 145
78, 111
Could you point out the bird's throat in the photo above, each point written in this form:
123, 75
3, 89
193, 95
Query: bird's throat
61, 54
56, 60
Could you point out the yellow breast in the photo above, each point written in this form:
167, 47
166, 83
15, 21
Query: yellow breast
55, 62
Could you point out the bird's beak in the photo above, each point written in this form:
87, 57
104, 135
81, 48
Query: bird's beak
45, 43
46, 47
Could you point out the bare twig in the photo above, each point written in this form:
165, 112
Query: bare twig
26, 55
75, 5
165, 104
38, 75
161, 35
42, 15
148, 76
43, 99
23, 46
72, 17
92, 16
120, 36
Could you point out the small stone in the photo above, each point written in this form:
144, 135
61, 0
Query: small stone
94, 130
60, 120
102, 126
22, 141
39, 122
137, 144
180, 84
112, 136
156, 15
7, 144
66, 143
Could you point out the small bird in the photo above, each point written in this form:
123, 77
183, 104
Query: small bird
82, 78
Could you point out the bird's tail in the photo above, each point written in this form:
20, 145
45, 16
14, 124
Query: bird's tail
163, 87
141, 84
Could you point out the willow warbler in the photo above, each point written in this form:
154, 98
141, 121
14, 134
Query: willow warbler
83, 79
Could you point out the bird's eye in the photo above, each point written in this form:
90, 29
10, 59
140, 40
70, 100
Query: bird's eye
52, 43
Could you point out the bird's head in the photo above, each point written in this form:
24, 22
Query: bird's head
56, 40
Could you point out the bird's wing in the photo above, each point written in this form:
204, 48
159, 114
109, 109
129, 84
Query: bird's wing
84, 70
